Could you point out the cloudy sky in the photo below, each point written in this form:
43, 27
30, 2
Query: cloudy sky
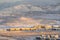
28, 12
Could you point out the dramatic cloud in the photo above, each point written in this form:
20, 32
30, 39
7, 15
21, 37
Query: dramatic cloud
2, 1
23, 21
28, 12
19, 9
28, 22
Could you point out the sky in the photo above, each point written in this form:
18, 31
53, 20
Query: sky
2, 1
19, 11
37, 1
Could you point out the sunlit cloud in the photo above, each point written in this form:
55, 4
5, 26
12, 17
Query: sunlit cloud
23, 21
16, 14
